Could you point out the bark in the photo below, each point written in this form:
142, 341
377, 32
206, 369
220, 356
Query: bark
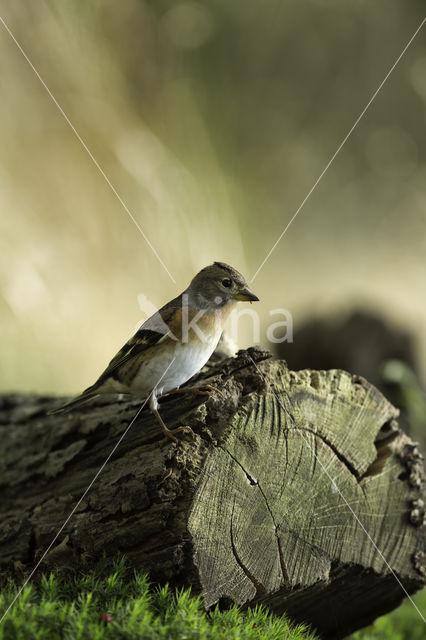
298, 491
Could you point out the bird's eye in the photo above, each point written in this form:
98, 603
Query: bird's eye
227, 282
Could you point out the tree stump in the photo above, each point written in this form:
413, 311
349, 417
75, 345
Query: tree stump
298, 491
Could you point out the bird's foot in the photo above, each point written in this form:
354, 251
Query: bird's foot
169, 433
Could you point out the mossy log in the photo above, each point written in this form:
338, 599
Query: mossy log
298, 491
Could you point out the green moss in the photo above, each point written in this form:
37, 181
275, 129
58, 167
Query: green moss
71, 607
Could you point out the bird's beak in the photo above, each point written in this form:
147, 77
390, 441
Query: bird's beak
246, 294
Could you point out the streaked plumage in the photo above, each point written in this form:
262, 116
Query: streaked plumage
178, 339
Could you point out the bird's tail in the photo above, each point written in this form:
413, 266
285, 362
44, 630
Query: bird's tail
78, 402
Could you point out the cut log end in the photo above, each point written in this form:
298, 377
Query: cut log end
298, 491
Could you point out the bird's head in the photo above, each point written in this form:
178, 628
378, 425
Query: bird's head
218, 285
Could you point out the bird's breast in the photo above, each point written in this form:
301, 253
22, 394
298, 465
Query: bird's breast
174, 362
182, 353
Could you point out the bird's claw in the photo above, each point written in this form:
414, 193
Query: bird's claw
210, 388
169, 433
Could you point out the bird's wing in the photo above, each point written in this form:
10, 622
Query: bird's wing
157, 328
143, 339
153, 331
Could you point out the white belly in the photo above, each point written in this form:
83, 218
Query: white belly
169, 370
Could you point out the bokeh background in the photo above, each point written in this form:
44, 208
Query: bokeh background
212, 120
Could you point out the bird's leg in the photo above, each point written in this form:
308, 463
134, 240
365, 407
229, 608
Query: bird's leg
169, 433
202, 390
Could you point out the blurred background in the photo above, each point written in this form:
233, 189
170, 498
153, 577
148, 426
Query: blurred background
212, 120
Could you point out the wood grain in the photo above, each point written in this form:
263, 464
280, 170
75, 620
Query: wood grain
298, 491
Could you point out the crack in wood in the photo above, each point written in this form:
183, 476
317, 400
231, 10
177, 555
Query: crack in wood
175, 524
254, 482
384, 450
260, 589
280, 551
376, 465
251, 479
336, 452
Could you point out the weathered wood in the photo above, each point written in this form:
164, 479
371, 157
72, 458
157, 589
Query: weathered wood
298, 491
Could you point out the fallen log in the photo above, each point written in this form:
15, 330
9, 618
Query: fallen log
298, 491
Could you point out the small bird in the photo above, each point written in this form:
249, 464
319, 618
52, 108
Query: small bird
174, 343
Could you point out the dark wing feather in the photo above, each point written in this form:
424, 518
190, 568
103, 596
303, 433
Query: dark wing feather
150, 333
142, 340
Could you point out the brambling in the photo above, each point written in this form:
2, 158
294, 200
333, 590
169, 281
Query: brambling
174, 343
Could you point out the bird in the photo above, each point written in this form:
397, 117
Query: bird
173, 344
